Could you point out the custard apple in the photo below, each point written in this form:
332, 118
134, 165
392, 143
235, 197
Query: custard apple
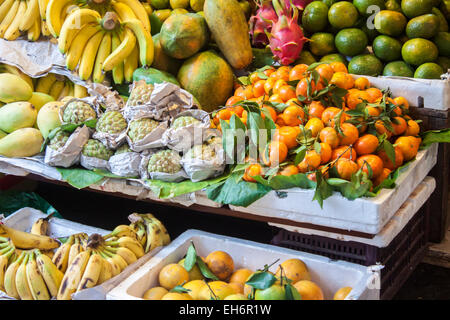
123, 149
140, 94
111, 122
77, 112
201, 152
95, 149
214, 141
185, 121
59, 140
167, 161
140, 128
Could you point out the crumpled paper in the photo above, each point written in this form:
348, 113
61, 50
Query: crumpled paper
125, 164
150, 141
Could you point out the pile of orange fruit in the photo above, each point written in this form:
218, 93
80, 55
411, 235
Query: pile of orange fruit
347, 146
231, 283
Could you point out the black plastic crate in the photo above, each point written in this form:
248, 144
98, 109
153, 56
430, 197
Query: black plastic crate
399, 258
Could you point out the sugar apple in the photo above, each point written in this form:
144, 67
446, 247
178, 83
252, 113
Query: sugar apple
167, 161
111, 122
95, 149
141, 128
214, 141
123, 149
59, 140
201, 152
77, 112
185, 121
140, 94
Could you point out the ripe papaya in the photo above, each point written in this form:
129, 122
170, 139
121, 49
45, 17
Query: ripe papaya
183, 35
161, 60
228, 25
208, 77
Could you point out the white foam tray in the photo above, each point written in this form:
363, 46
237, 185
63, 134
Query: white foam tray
367, 215
396, 224
24, 218
435, 93
330, 275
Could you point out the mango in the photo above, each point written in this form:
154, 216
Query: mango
39, 99
17, 115
25, 142
13, 88
48, 117
3, 134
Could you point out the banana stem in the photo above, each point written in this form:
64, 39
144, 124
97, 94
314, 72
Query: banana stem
110, 21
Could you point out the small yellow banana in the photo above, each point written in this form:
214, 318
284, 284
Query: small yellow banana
79, 43
12, 32
125, 13
80, 91
22, 286
73, 276
61, 257
30, 15
106, 272
56, 89
92, 272
10, 277
36, 282
139, 12
117, 71
53, 15
5, 7
34, 32
123, 51
130, 64
25, 240
45, 83
146, 47
51, 274
103, 52
87, 60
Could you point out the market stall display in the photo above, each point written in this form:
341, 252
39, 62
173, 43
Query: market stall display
244, 105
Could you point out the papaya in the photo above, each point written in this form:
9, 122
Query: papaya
161, 60
228, 25
25, 142
17, 115
183, 35
155, 23
13, 88
208, 77
152, 76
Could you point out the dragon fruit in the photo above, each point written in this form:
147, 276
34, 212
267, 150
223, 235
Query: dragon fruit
299, 4
286, 38
261, 22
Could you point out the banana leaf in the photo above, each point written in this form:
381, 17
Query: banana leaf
13, 200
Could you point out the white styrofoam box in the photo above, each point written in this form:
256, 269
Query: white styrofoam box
400, 219
367, 215
435, 93
330, 275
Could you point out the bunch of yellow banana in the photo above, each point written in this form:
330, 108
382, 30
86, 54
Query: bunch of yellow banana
7, 254
24, 240
20, 16
41, 227
150, 231
67, 252
32, 276
6, 68
59, 87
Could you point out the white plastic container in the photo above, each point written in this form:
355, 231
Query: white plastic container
330, 275
367, 215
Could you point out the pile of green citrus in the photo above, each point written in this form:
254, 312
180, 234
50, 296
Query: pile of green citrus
407, 38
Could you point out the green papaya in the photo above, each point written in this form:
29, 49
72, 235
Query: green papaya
152, 76
208, 77
229, 27
183, 35
161, 60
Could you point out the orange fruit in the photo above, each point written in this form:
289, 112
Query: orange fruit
280, 121
176, 296
195, 286
239, 110
366, 144
315, 125
289, 170
277, 85
232, 100
268, 85
254, 77
258, 88
309, 290
338, 67
344, 152
355, 98
293, 115
408, 147
325, 152
323, 170
362, 83
325, 72
237, 287
286, 92
374, 94
302, 88
375, 163
275, 98
345, 168
399, 127
329, 136
412, 129
342, 293
172, 275
293, 269
281, 74
224, 114
252, 171
269, 71
381, 129
287, 135
383, 176
220, 263
342, 80
310, 162
387, 163
328, 116
373, 111
298, 72
401, 101
272, 112
315, 109
155, 293
349, 134
220, 289
277, 153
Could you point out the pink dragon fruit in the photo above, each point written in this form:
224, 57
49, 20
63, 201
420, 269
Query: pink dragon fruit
261, 22
286, 38
299, 4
